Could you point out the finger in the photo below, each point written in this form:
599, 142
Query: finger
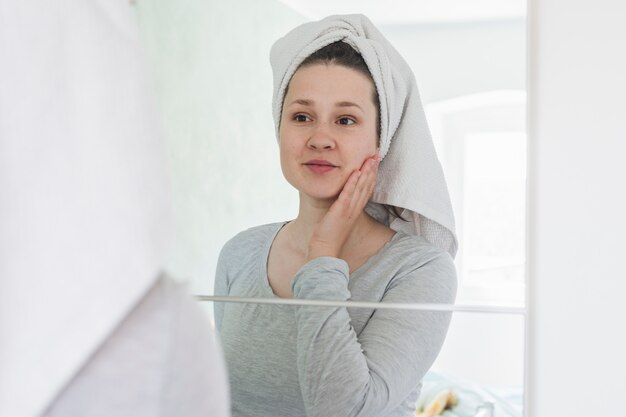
359, 186
365, 185
374, 179
367, 177
371, 183
368, 159
347, 193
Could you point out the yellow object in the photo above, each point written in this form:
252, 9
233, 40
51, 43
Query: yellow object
442, 401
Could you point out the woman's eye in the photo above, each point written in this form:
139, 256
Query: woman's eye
346, 121
301, 118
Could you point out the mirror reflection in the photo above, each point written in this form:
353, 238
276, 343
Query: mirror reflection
216, 101
352, 203
352, 136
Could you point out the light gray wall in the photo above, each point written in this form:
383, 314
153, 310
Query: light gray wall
213, 78
456, 59
577, 202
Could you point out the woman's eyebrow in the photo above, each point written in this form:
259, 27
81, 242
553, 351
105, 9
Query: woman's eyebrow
348, 104
301, 101
306, 102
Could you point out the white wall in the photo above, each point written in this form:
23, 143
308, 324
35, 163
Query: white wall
210, 60
456, 59
577, 208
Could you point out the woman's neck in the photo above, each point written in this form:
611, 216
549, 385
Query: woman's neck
311, 212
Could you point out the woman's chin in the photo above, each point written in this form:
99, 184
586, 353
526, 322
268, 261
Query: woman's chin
320, 195
317, 190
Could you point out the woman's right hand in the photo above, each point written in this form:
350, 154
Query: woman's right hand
333, 230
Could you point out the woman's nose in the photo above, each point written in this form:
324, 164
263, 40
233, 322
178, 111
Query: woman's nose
321, 138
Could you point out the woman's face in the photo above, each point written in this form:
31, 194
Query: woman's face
328, 128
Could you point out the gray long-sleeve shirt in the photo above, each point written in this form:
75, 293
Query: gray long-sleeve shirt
326, 361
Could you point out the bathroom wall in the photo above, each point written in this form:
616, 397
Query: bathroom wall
211, 67
577, 202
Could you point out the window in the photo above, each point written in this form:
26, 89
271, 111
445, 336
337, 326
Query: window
481, 141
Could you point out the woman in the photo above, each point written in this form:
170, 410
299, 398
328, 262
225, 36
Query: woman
346, 108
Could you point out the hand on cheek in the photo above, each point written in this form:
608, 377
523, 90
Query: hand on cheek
334, 229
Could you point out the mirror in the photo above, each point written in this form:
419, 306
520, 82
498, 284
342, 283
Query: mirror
214, 83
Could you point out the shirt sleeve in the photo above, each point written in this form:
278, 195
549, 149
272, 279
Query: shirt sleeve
345, 374
220, 287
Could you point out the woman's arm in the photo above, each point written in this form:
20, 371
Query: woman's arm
344, 375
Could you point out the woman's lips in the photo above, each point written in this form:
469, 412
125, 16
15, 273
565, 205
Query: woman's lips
319, 166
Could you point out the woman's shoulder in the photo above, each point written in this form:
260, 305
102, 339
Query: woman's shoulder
418, 263
410, 253
250, 240
415, 248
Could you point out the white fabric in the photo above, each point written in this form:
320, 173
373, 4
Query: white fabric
84, 217
410, 176
161, 361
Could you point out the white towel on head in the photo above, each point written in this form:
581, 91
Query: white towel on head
410, 175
